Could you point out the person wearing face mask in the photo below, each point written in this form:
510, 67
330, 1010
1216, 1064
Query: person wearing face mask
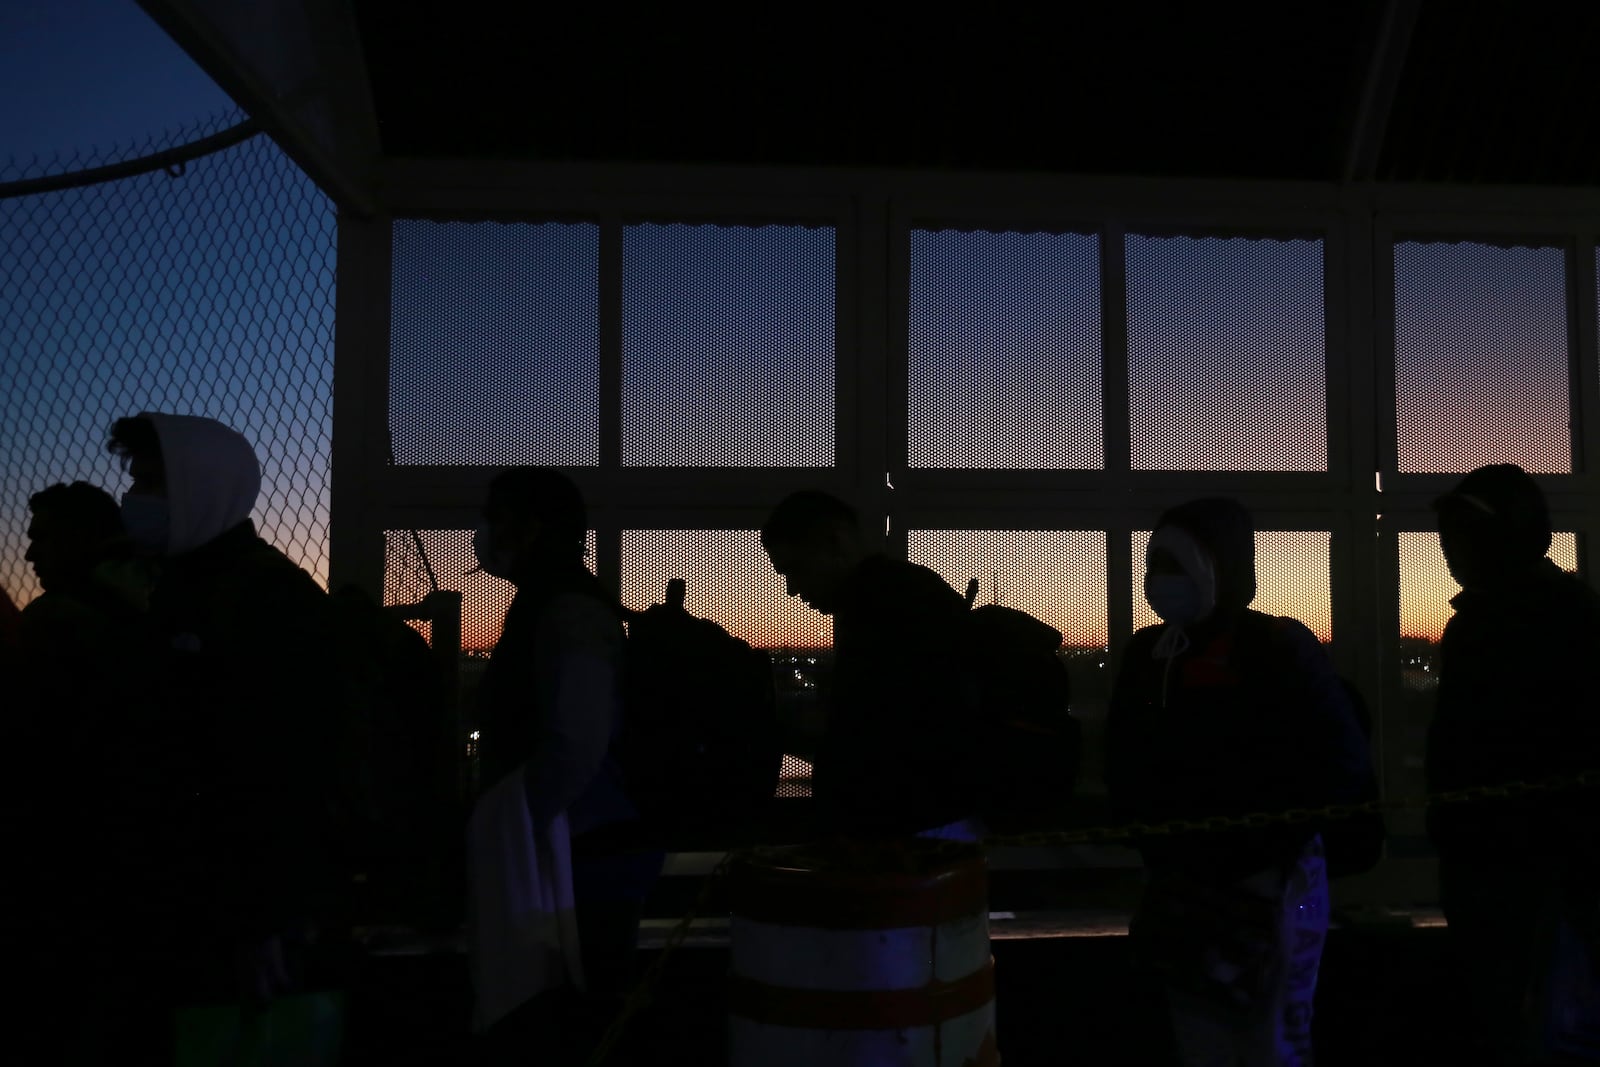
231, 881
1220, 711
1519, 877
558, 878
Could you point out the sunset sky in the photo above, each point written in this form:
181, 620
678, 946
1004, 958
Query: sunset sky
1059, 576
123, 297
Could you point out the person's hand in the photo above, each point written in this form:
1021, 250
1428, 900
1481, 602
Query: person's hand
260, 971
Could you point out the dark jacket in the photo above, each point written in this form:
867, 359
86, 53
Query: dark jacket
894, 758
76, 683
549, 622
240, 755
1254, 720
1251, 717
1517, 703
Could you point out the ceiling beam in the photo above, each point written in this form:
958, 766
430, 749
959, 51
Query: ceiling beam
1375, 99
296, 67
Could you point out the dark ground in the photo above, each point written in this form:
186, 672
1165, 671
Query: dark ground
1385, 997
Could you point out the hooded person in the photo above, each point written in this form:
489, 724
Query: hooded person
235, 863
1519, 877
1224, 711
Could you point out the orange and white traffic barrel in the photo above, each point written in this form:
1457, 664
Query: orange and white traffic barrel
863, 955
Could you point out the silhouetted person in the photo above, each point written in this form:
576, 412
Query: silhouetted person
1518, 703
93, 593
896, 751
554, 815
75, 664
1221, 710
235, 889
9, 616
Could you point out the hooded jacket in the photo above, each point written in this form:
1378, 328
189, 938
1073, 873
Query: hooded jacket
1247, 716
240, 758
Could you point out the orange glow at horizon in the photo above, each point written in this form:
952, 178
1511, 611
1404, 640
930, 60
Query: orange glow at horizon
727, 577
1426, 585
1292, 578
1058, 576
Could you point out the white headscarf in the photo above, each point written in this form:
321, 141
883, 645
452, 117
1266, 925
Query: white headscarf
213, 478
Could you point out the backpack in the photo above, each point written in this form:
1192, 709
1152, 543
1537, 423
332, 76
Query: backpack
399, 798
699, 741
1355, 844
1030, 744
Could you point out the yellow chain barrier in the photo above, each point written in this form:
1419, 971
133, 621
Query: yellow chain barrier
642, 993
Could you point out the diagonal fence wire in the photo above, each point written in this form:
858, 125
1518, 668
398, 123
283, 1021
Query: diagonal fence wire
189, 272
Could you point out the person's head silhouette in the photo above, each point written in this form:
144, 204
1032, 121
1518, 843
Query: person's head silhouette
1201, 561
69, 532
814, 542
194, 479
1494, 526
534, 519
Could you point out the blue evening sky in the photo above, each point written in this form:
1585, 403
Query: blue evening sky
80, 74
734, 324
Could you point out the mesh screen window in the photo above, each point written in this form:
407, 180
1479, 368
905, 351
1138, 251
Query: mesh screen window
1480, 355
1425, 591
1292, 578
1226, 365
1058, 576
484, 598
728, 578
495, 344
1004, 353
728, 346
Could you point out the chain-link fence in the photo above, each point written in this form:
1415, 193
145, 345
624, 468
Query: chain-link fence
192, 273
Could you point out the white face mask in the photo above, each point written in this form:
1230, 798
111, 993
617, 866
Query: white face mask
1177, 598
491, 560
147, 522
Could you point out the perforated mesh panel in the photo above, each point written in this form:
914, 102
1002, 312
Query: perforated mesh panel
794, 778
495, 344
1426, 585
728, 578
1226, 354
1058, 576
1004, 356
1425, 591
728, 346
484, 599
1480, 353
1292, 578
